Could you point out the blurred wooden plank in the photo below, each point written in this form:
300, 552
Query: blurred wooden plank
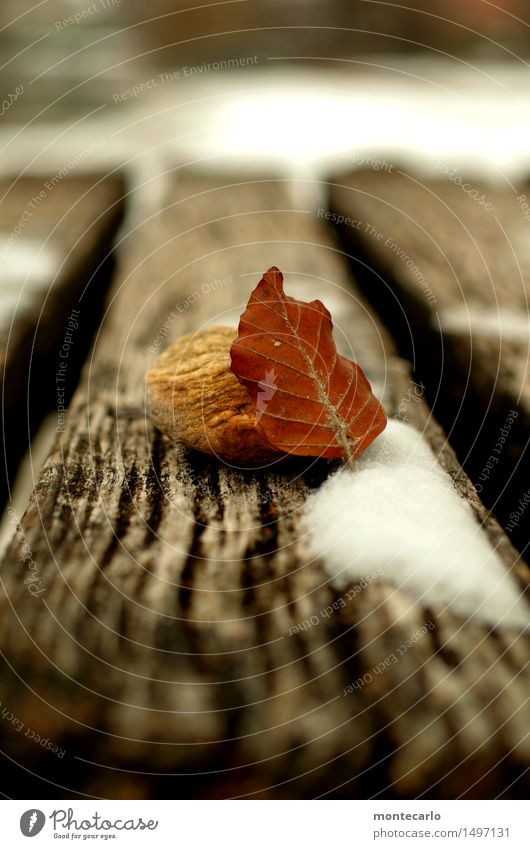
158, 655
55, 241
448, 267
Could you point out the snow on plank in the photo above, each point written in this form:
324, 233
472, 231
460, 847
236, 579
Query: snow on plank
447, 264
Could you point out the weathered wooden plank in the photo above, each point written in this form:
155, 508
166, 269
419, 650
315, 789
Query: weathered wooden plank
55, 237
448, 266
158, 653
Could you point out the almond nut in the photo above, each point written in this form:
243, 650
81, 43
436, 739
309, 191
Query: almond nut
194, 398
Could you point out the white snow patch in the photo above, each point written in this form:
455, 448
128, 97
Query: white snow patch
509, 324
27, 263
400, 512
26, 267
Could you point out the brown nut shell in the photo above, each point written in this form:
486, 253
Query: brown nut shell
194, 398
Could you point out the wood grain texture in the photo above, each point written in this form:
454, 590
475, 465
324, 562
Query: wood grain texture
55, 239
158, 654
448, 267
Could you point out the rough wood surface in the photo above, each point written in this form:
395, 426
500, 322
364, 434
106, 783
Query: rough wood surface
55, 238
448, 267
158, 655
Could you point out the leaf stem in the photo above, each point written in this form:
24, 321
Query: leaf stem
352, 463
